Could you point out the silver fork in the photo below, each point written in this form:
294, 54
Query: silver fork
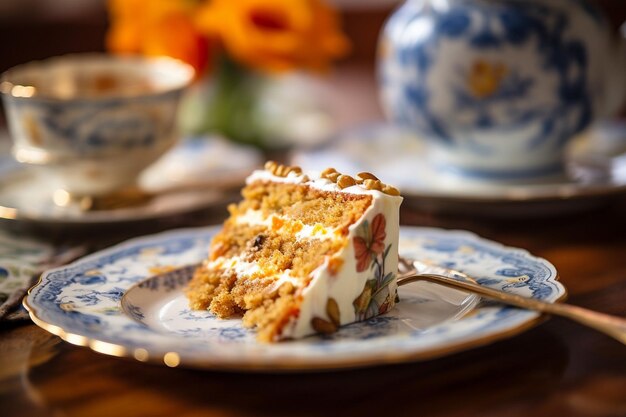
412, 270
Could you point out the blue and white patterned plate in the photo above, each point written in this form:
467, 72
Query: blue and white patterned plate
103, 301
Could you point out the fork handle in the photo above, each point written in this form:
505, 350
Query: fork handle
610, 325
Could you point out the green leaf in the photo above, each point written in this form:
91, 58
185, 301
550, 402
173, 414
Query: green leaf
388, 279
372, 309
386, 252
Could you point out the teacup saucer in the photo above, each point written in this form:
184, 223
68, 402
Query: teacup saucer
399, 158
196, 174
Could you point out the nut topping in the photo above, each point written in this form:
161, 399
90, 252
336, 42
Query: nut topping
373, 184
345, 181
281, 170
366, 176
388, 189
330, 174
366, 179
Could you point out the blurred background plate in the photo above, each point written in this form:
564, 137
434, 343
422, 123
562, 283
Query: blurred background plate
197, 173
202, 161
398, 157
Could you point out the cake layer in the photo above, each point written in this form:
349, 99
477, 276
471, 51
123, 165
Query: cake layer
300, 255
269, 248
262, 252
304, 202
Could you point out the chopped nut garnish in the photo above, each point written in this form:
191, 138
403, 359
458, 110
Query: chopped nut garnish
333, 177
373, 185
271, 166
366, 179
330, 174
366, 176
345, 181
281, 170
388, 189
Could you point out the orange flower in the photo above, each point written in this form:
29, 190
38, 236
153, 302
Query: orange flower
157, 28
275, 35
372, 245
378, 234
362, 254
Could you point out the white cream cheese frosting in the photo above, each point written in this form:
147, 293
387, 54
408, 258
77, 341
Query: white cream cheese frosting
365, 284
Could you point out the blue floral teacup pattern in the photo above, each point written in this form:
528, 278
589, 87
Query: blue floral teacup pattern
499, 87
93, 121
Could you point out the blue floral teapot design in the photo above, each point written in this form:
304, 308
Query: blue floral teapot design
499, 86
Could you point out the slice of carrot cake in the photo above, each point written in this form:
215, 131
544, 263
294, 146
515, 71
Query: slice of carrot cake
303, 254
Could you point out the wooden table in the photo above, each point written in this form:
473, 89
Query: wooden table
556, 369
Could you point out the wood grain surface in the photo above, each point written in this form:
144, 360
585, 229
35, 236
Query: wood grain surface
556, 369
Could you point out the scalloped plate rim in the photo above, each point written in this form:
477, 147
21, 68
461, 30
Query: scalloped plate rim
525, 321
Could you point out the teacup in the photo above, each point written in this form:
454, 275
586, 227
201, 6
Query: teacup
499, 87
94, 121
